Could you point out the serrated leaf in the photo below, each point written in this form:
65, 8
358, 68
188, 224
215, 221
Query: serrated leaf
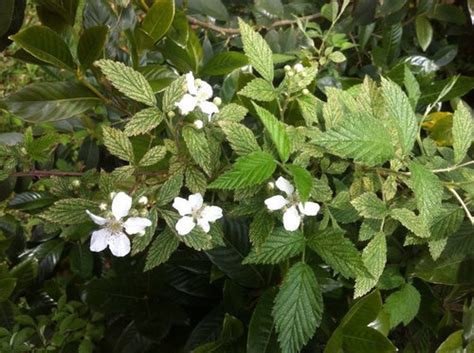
140, 242
161, 249
170, 189
370, 206
7, 285
198, 147
428, 191
374, 257
298, 308
70, 211
91, 45
232, 111
118, 144
277, 132
402, 305
260, 90
338, 252
361, 137
257, 50
303, 180
240, 137
195, 180
173, 93
411, 221
143, 121
128, 81
401, 115
424, 32
224, 63
153, 156
252, 169
261, 227
463, 130
309, 105
280, 245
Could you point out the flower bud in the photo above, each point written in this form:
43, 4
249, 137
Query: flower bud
197, 82
271, 185
217, 101
143, 200
290, 73
298, 67
144, 213
287, 68
103, 206
112, 195
171, 115
198, 124
76, 183
305, 91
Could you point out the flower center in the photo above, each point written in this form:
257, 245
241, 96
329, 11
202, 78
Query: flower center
115, 226
196, 214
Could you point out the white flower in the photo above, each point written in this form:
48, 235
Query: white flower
194, 212
199, 92
295, 210
112, 232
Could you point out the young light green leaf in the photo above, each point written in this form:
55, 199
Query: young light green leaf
260, 90
463, 130
231, 111
118, 144
277, 132
309, 106
402, 305
303, 180
252, 169
161, 249
198, 147
338, 252
257, 50
240, 137
298, 308
279, 246
424, 32
143, 121
374, 257
411, 221
128, 81
370, 206
153, 156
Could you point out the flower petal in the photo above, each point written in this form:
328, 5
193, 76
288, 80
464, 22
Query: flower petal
276, 202
96, 219
136, 225
309, 208
191, 84
291, 219
119, 244
185, 225
204, 92
285, 186
208, 108
196, 201
204, 224
183, 206
211, 213
187, 104
121, 205
99, 240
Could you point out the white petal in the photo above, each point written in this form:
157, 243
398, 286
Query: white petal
208, 108
211, 213
204, 224
119, 244
204, 91
97, 220
291, 219
121, 205
196, 201
136, 225
309, 208
285, 186
99, 240
191, 83
276, 202
185, 225
187, 104
183, 206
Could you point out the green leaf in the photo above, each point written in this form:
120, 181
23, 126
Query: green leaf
153, 156
81, 261
173, 93
411, 221
161, 249
367, 339
370, 206
7, 285
91, 44
279, 246
46, 45
232, 112
118, 144
144, 121
462, 86
428, 191
424, 32
309, 105
140, 242
128, 81
277, 132
260, 90
198, 147
257, 50
261, 228
224, 63
298, 308
7, 11
261, 327
240, 137
303, 180
158, 19
70, 211
401, 115
170, 189
453, 344
402, 305
338, 252
195, 180
359, 136
252, 169
463, 130
374, 257
52, 101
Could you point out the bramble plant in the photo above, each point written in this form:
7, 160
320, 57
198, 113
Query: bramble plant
237, 176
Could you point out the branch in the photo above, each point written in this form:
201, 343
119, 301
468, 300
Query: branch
464, 206
232, 31
58, 173
454, 167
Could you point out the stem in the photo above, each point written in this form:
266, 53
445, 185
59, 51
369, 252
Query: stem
454, 167
58, 173
93, 89
464, 206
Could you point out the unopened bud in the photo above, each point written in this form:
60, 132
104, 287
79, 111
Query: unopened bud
271, 185
103, 206
144, 213
171, 115
287, 68
198, 124
198, 82
290, 73
143, 200
217, 101
305, 91
76, 183
298, 67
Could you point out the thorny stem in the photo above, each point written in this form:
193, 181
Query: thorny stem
463, 204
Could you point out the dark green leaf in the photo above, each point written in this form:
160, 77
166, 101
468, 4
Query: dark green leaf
158, 19
91, 44
224, 63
